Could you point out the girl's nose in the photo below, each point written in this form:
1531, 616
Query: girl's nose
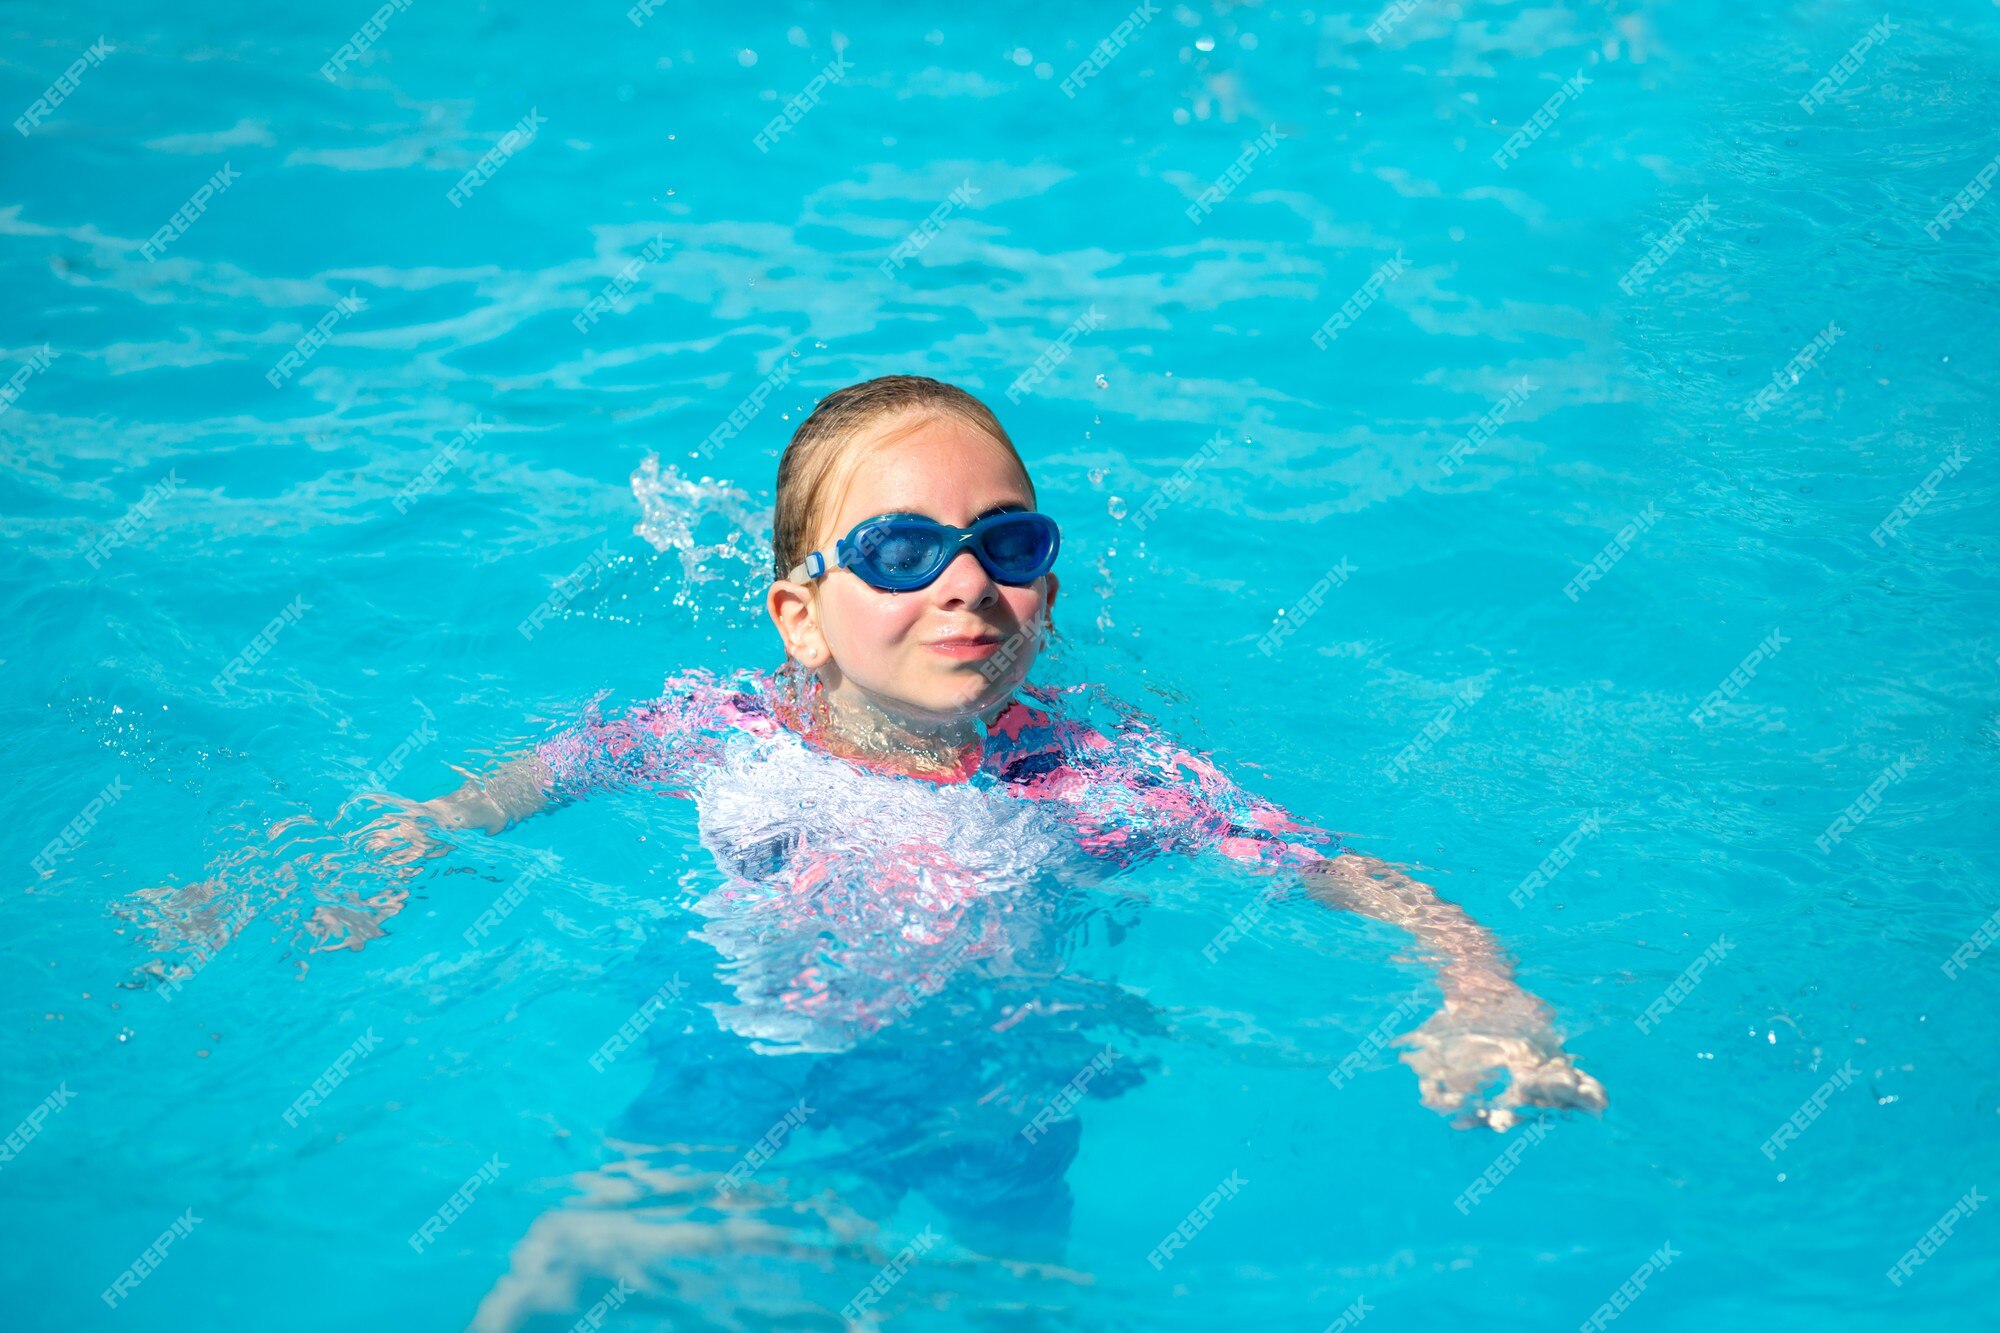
965, 582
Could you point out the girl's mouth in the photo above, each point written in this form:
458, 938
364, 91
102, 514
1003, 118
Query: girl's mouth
969, 647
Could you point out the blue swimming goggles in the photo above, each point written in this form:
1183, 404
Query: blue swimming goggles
904, 552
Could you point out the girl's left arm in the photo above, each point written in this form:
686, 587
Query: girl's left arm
1493, 1048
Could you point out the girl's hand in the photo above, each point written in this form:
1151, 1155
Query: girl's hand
1493, 1048
1482, 1062
405, 831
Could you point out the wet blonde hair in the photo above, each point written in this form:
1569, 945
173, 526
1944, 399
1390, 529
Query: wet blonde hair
828, 444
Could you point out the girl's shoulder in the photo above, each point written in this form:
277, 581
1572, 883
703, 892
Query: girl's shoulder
697, 701
691, 721
1042, 719
1037, 741
1135, 767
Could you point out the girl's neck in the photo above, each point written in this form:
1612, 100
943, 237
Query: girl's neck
858, 729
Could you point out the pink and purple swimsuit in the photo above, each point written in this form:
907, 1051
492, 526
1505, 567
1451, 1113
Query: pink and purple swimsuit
849, 892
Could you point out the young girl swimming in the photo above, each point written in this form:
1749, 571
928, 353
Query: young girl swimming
878, 802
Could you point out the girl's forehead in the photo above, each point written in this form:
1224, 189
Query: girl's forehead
946, 469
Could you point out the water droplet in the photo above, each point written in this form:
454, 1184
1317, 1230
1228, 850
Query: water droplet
1103, 383
1117, 507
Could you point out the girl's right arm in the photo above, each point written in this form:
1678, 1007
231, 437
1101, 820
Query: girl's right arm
660, 743
518, 788
404, 832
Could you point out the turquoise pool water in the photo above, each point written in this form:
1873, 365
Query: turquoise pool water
295, 470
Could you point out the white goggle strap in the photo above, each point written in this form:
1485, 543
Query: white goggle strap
810, 568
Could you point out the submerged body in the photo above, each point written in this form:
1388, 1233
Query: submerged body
894, 1011
849, 888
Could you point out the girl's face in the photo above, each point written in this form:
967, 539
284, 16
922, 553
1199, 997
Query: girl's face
940, 655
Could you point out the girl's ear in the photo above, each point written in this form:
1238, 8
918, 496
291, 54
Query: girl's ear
795, 613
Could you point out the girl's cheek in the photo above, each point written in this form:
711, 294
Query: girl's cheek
1025, 604
876, 622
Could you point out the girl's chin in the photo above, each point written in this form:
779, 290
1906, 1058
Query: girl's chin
956, 699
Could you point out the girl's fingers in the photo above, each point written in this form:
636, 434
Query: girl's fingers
1450, 1072
402, 837
1590, 1093
1558, 1085
1489, 1077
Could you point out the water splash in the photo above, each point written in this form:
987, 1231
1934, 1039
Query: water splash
720, 532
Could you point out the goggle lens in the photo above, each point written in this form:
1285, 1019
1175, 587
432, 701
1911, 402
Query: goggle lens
901, 553
1016, 545
900, 549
